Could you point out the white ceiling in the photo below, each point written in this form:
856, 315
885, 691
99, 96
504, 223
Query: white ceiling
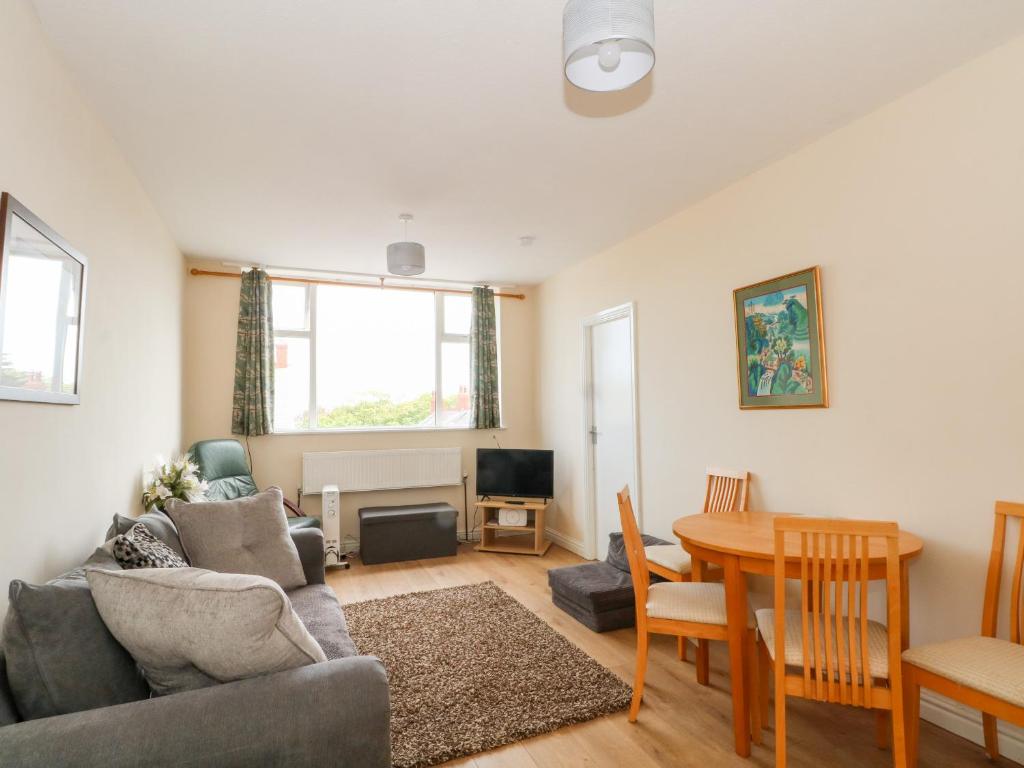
295, 132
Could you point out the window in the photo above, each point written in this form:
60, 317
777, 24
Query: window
357, 358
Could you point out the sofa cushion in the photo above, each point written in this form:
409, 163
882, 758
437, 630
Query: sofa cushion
8, 710
321, 614
190, 628
248, 535
138, 548
156, 522
60, 656
617, 549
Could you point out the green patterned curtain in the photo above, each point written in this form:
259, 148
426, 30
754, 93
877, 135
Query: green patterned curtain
483, 361
252, 411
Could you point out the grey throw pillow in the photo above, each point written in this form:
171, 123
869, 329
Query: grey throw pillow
60, 656
617, 549
190, 628
138, 548
247, 535
156, 522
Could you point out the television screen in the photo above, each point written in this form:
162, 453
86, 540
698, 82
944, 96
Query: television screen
508, 472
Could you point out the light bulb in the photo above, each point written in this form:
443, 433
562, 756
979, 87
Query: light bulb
609, 54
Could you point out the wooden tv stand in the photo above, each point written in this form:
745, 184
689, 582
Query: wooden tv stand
530, 539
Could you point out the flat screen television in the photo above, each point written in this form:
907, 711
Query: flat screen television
512, 472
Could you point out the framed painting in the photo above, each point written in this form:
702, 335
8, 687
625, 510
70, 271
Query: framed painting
780, 342
42, 304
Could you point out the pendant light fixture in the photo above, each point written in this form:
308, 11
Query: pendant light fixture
406, 258
607, 45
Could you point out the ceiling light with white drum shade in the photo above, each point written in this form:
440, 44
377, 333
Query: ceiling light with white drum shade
607, 45
406, 258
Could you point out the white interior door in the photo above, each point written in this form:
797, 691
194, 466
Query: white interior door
611, 427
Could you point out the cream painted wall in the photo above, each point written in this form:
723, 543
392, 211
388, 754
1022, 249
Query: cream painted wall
916, 216
65, 470
211, 317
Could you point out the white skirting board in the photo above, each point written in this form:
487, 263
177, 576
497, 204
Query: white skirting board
565, 542
966, 722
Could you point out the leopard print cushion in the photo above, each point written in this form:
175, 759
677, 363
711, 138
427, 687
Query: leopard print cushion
138, 548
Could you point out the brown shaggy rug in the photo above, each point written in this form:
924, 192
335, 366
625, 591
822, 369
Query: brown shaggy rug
471, 669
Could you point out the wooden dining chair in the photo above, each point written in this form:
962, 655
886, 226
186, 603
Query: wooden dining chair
725, 490
822, 650
684, 609
983, 672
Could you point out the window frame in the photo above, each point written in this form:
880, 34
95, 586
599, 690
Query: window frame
440, 338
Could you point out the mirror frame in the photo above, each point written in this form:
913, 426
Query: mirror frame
9, 207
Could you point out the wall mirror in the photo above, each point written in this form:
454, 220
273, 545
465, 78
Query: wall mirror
42, 304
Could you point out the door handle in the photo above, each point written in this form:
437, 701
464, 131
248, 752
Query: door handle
593, 435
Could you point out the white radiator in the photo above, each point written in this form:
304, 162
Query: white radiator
381, 470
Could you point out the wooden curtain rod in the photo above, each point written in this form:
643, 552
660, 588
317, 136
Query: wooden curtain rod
313, 281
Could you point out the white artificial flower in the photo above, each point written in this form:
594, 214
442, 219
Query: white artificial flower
163, 492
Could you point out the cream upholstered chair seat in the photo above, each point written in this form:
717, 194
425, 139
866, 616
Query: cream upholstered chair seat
670, 556
986, 664
878, 640
701, 602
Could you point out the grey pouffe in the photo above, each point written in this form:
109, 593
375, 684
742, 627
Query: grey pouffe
599, 595
407, 532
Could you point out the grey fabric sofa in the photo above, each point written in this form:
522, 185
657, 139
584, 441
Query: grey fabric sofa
334, 713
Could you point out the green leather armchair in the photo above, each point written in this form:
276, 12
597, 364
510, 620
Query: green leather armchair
222, 463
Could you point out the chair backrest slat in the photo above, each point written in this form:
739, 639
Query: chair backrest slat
990, 612
635, 554
835, 559
726, 490
826, 616
851, 600
865, 564
841, 644
1015, 592
815, 613
805, 608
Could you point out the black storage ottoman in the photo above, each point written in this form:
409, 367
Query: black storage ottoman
407, 532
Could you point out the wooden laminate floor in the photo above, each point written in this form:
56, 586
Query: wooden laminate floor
681, 723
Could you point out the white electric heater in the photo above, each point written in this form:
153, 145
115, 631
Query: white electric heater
331, 521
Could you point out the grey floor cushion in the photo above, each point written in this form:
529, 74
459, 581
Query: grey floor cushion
189, 628
605, 621
617, 549
594, 586
8, 709
59, 655
247, 535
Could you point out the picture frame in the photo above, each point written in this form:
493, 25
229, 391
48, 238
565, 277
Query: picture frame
780, 342
42, 309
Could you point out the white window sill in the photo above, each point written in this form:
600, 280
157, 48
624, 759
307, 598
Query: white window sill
378, 430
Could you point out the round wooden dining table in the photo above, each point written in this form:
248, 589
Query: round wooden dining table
742, 543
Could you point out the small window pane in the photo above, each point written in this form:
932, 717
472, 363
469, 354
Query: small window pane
455, 410
457, 314
291, 384
290, 307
